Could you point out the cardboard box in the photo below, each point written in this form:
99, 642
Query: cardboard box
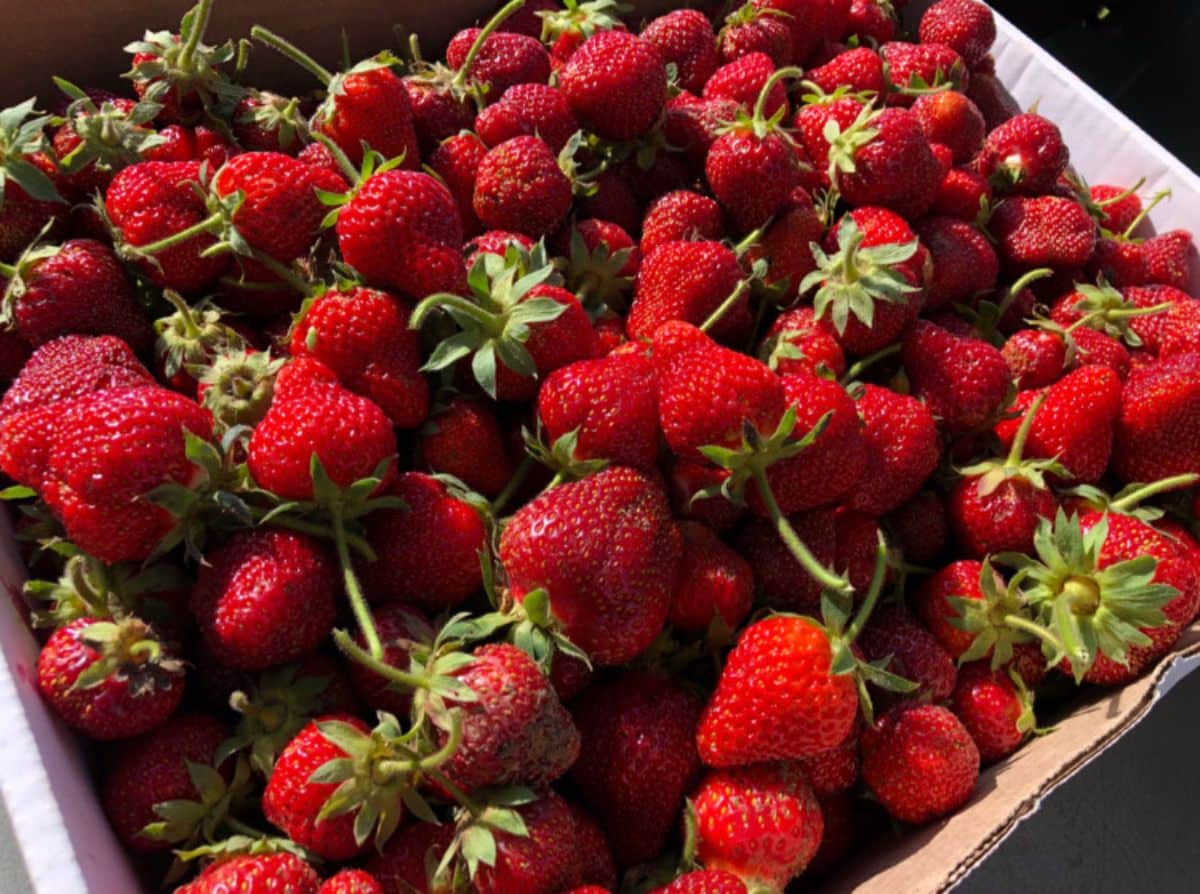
61, 831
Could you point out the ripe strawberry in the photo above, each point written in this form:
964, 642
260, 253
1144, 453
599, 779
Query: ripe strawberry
964, 381
1167, 259
351, 881
797, 342
73, 366
363, 336
808, 21
915, 653
312, 414
680, 216
95, 459
964, 262
265, 597
638, 759
714, 583
152, 201
504, 60
1180, 329
1025, 155
456, 161
919, 762
516, 731
267, 122
613, 200
962, 194
761, 823
109, 680
918, 66
428, 554
779, 579
402, 231
608, 591
292, 801
753, 716
1093, 348
749, 29
834, 771
692, 123
688, 281
860, 68
257, 874
519, 186
965, 26
871, 19
1046, 231
368, 105
684, 38
406, 862
528, 110
595, 855
903, 449
616, 63
743, 80
152, 769
951, 119
399, 628
994, 711
1159, 417
705, 881
959, 579
610, 403
1151, 328
463, 439
686, 480
919, 528
543, 861
1119, 208
1036, 357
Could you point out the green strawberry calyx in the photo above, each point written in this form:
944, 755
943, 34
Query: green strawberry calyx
238, 386
128, 652
477, 823
993, 473
190, 821
89, 588
1129, 500
23, 134
596, 276
1106, 310
999, 621
110, 137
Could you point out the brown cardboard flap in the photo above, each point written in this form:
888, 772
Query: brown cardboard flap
935, 858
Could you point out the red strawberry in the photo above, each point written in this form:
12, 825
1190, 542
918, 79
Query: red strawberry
402, 231
1025, 154
363, 336
705, 881
951, 119
264, 598
686, 480
1167, 259
861, 68
543, 861
1036, 357
994, 711
963, 381
1093, 348
833, 771
611, 403
519, 186
428, 553
292, 801
692, 123
1046, 231
312, 414
808, 21
1120, 208
406, 862
258, 874
777, 698
399, 628
1180, 329
1159, 420
463, 439
964, 262
779, 578
1151, 328
920, 528
109, 680
152, 769
684, 38
797, 342
504, 60
680, 215
918, 66
959, 579
749, 29
920, 762
369, 105
743, 80
965, 26
915, 653
902, 450
267, 122
613, 200
72, 366
179, 68
351, 881
638, 759
609, 591
962, 194
871, 19
456, 161
616, 63
761, 823
714, 582
528, 110
688, 281
595, 854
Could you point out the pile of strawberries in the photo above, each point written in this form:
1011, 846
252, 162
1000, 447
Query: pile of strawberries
614, 458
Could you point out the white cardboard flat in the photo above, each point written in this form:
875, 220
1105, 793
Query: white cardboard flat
60, 828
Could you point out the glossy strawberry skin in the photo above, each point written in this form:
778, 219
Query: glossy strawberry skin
464, 439
504, 61
363, 335
1029, 151
615, 63
528, 110
456, 161
902, 450
963, 25
920, 762
1003, 520
916, 653
932, 605
611, 589
542, 862
989, 706
428, 554
714, 582
687, 281
751, 176
552, 345
705, 881
1158, 427
742, 81
22, 217
351, 881
258, 874
678, 216
1046, 231
963, 381
752, 717
638, 759
779, 578
519, 186
896, 170
1167, 259
371, 107
964, 262
684, 38
292, 802
798, 331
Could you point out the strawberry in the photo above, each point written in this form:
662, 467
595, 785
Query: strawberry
934, 606
1025, 154
678, 216
428, 554
543, 861
807, 21
638, 759
692, 123
258, 874
406, 862
367, 104
1151, 328
687, 480
463, 439
520, 186
914, 67
761, 823
780, 580
704, 881
100, 136
609, 592
996, 713
920, 762
351, 881
109, 680
1167, 259
920, 528
833, 771
751, 717
313, 415
595, 854
602, 261
962, 195
1036, 357
267, 122
363, 336
964, 262
503, 60
715, 583
1094, 348
610, 404
1155, 434
684, 38
456, 162
963, 381
689, 281
965, 26
73, 366
31, 201
744, 80
915, 653
528, 110
613, 200
871, 19
95, 460
293, 802
1046, 231
153, 201
399, 628
1180, 329
264, 598
616, 63
797, 342
154, 768
951, 119
902, 450
401, 231
515, 731
749, 29
861, 68
1074, 425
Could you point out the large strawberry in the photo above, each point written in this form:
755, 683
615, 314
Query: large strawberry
1156, 427
902, 449
966, 26
964, 381
690, 281
1045, 231
72, 366
607, 592
616, 63
1025, 155
520, 186
463, 438
684, 38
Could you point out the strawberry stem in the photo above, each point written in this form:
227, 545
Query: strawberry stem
294, 53
513, 485
8, 270
285, 273
725, 306
1112, 200
873, 591
485, 32
1018, 287
1018, 445
191, 327
867, 362
491, 323
348, 647
1024, 624
354, 541
792, 541
354, 593
1133, 498
208, 225
187, 54
760, 103
1150, 206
